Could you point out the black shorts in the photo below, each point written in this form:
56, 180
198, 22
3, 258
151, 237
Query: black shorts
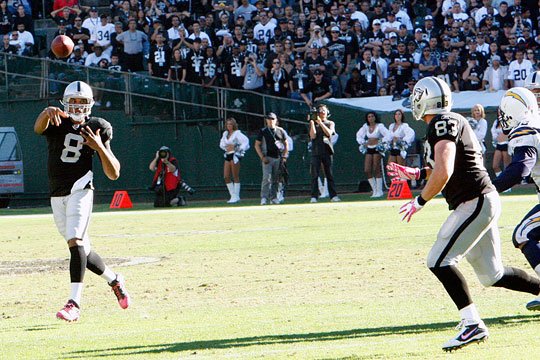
372, 151
395, 152
502, 147
229, 157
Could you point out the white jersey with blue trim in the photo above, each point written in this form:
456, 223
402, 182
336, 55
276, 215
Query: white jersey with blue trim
529, 137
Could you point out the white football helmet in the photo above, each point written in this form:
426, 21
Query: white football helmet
518, 107
80, 109
532, 82
431, 95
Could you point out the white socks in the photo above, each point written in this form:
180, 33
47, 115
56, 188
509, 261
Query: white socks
108, 275
76, 292
470, 312
230, 187
236, 192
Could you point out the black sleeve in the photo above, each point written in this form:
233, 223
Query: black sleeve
444, 127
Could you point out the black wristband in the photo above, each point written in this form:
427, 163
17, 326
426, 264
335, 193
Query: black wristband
423, 174
421, 201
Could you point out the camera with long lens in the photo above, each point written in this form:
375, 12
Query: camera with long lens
163, 154
313, 114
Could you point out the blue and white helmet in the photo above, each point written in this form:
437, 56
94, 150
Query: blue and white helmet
430, 96
518, 107
78, 90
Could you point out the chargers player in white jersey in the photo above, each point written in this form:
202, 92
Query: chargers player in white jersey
518, 115
73, 137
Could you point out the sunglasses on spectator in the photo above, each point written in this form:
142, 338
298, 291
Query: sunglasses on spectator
530, 53
276, 62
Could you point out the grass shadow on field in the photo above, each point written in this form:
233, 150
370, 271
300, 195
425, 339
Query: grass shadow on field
288, 338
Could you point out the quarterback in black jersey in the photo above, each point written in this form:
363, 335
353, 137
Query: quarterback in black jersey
73, 137
455, 168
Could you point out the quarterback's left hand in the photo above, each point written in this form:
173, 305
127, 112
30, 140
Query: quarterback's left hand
409, 209
91, 139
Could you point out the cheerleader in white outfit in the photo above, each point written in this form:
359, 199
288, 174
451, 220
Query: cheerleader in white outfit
479, 124
500, 143
235, 144
368, 137
401, 136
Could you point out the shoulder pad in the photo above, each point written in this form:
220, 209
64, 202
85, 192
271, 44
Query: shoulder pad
522, 131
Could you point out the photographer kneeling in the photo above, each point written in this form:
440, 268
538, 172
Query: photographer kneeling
167, 180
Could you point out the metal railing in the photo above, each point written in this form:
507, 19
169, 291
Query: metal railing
140, 92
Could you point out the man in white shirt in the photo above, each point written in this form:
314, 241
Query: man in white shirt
197, 33
26, 41
103, 35
264, 30
519, 69
401, 15
447, 6
91, 24
358, 15
493, 79
484, 11
94, 58
391, 24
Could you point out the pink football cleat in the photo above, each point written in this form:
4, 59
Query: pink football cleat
70, 312
119, 289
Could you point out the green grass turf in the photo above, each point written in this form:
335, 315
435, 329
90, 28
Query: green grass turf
298, 281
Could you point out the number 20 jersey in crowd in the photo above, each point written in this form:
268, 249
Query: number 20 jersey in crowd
69, 161
470, 178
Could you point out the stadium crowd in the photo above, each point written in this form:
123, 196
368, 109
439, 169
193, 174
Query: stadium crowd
307, 50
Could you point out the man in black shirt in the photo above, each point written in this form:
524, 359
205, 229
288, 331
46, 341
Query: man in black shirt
271, 147
456, 168
318, 88
73, 137
159, 60
193, 64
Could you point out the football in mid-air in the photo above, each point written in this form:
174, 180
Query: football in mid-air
62, 46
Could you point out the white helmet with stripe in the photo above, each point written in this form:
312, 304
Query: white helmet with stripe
430, 96
532, 82
518, 107
78, 101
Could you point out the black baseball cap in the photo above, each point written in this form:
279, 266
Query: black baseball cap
317, 72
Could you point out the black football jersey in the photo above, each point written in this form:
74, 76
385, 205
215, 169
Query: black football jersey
470, 178
68, 159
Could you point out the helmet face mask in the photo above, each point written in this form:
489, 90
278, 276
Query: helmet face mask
78, 101
430, 96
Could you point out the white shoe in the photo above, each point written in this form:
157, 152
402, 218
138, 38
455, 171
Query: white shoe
471, 331
263, 201
108, 104
335, 199
313, 200
275, 201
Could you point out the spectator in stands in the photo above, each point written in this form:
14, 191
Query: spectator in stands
300, 41
245, 9
253, 73
22, 16
94, 58
5, 18
447, 73
60, 4
277, 80
353, 88
78, 57
317, 39
519, 69
104, 31
193, 65
473, 74
65, 14
314, 61
176, 68
370, 74
123, 13
61, 29
211, 67
391, 25
298, 78
159, 58
7, 46
494, 75
80, 35
428, 63
401, 66
133, 40
317, 89
91, 24
25, 40
233, 69
173, 33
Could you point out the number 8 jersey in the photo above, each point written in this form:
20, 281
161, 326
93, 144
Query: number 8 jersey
470, 178
69, 161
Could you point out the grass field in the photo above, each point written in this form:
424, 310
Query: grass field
301, 281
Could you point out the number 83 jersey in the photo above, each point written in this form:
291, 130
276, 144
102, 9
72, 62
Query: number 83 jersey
69, 161
470, 178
